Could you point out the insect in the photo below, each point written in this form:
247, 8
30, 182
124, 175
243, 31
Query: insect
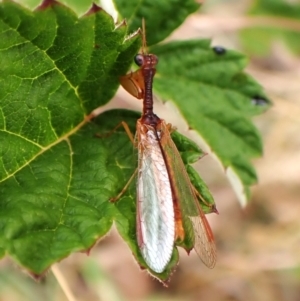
168, 210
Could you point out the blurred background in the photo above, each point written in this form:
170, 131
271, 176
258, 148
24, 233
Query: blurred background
258, 246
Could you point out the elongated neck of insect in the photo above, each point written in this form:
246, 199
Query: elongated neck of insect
148, 74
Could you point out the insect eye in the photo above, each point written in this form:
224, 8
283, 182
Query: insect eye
139, 60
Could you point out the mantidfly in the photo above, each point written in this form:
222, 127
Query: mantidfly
168, 210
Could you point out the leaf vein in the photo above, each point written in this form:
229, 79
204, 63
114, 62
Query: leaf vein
43, 149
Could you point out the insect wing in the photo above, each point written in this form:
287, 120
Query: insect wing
202, 192
196, 226
204, 244
190, 153
155, 213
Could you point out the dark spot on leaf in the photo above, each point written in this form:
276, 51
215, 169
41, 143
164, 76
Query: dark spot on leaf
47, 3
96, 46
219, 50
95, 8
259, 101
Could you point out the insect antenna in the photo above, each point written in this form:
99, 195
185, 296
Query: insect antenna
144, 44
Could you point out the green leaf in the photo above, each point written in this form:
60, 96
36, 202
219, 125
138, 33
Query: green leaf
55, 176
284, 26
80, 7
217, 99
191, 153
189, 150
158, 26
162, 17
206, 199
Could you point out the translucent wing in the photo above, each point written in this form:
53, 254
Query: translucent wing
155, 213
204, 243
197, 232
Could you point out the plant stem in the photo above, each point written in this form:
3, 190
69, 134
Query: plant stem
63, 282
